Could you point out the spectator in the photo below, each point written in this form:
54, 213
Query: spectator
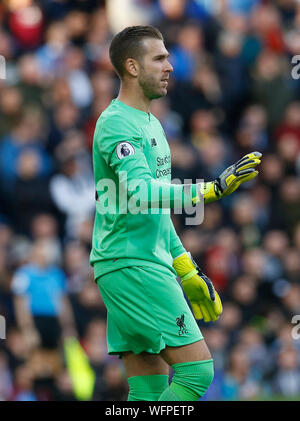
73, 192
28, 185
270, 87
286, 381
77, 268
79, 83
26, 135
252, 131
238, 382
188, 52
44, 226
31, 83
51, 54
41, 306
11, 107
23, 390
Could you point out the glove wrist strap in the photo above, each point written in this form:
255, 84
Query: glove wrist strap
189, 275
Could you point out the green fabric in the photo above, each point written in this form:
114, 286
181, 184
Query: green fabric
147, 310
190, 381
121, 238
169, 395
176, 247
147, 388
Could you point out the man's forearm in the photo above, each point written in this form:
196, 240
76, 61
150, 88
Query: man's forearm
156, 194
23, 314
176, 247
66, 318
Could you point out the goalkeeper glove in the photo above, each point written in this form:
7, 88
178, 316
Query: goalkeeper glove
231, 178
204, 299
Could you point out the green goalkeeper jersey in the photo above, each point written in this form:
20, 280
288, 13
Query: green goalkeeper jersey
130, 150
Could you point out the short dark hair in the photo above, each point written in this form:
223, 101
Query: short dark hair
129, 43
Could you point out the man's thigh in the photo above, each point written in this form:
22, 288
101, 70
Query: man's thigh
144, 364
197, 351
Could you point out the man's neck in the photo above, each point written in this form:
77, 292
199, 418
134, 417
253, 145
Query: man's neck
134, 98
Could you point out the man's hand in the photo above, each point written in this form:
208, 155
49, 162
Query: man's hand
231, 178
199, 289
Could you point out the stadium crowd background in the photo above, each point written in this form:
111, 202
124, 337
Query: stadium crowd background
232, 92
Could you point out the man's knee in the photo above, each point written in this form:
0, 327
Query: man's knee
147, 388
192, 378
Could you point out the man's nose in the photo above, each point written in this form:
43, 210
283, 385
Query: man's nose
169, 67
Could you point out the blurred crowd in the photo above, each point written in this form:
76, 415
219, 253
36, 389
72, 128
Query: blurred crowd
232, 92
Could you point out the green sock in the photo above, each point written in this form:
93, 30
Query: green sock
190, 381
147, 388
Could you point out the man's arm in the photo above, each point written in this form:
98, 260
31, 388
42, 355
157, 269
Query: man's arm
176, 247
25, 321
123, 152
22, 310
66, 318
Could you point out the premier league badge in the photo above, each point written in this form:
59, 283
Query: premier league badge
124, 149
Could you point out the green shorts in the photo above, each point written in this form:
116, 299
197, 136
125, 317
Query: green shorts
146, 310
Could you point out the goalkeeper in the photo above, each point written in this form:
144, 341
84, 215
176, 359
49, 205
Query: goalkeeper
137, 255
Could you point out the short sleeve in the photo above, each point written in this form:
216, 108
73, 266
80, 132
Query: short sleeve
121, 146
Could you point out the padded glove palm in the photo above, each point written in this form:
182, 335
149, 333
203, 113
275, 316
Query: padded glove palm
199, 289
230, 179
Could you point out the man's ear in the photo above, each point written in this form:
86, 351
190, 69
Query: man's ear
132, 67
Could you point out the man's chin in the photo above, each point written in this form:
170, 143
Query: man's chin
160, 94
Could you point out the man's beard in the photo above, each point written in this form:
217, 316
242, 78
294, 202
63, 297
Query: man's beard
149, 86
